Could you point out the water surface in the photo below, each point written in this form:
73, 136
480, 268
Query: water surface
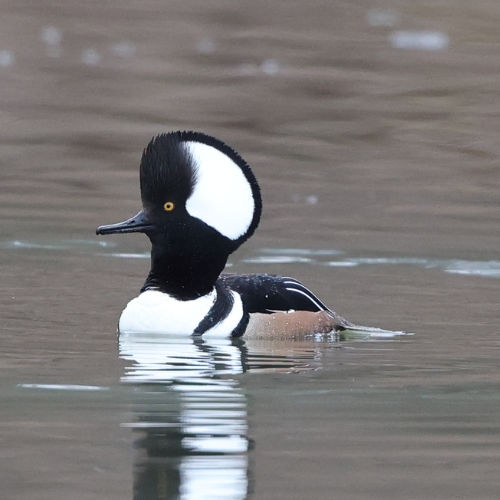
373, 131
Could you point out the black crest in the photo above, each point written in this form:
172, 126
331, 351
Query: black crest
166, 170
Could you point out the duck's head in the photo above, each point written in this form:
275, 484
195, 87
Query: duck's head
199, 197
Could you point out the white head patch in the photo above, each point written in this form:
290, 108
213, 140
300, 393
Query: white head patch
222, 195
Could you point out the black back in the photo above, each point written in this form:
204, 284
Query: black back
267, 293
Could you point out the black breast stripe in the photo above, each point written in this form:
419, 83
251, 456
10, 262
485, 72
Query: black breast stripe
241, 326
219, 310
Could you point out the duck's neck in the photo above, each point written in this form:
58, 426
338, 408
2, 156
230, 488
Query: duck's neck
183, 273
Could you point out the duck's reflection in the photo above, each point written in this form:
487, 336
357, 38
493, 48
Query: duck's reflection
190, 414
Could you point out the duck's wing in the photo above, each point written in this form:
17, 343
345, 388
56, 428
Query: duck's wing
268, 294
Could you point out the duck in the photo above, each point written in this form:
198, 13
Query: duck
200, 202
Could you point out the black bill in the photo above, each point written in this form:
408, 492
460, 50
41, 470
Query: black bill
137, 224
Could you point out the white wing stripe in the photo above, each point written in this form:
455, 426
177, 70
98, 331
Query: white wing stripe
319, 306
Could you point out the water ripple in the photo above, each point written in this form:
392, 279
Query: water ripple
63, 244
324, 256
484, 268
63, 387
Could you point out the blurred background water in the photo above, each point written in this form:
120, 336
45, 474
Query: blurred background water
373, 130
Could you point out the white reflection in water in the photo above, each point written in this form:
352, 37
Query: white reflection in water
486, 268
6, 58
382, 17
199, 479
270, 66
191, 414
206, 46
63, 244
128, 255
193, 425
52, 37
419, 40
305, 252
277, 259
90, 57
123, 48
63, 387
475, 268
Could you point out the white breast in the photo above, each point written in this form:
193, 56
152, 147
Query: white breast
157, 312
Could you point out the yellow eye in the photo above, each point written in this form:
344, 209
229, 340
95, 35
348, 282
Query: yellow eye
169, 206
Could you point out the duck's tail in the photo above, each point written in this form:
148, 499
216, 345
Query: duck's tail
348, 330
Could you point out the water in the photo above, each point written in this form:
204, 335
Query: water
379, 170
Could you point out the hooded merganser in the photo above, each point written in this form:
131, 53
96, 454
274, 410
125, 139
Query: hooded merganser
201, 201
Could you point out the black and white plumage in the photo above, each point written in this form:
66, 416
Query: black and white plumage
201, 201
268, 293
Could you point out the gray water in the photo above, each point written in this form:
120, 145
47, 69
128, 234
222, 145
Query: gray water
373, 130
